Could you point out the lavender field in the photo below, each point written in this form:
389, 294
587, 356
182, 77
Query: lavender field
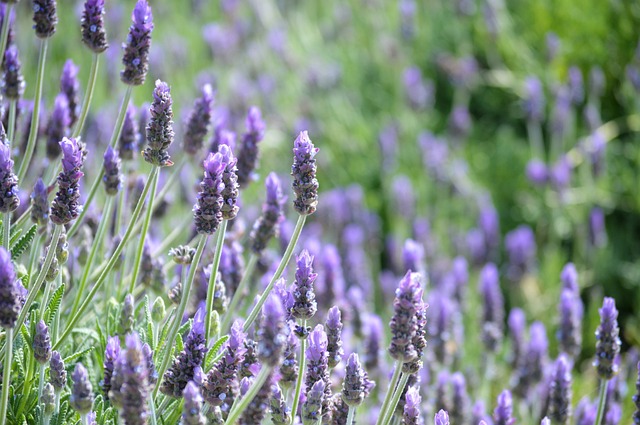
382, 212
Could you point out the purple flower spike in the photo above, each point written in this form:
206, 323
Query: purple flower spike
248, 153
130, 135
503, 413
517, 324
230, 179
313, 407
545, 421
305, 183
560, 391
70, 87
111, 354
12, 82
9, 200
45, 18
333, 328
10, 291
42, 343
280, 412
131, 383
66, 206
94, 35
405, 324
191, 414
373, 341
40, 204
112, 178
413, 255
460, 406
569, 278
160, 127
208, 209
304, 299
493, 307
57, 126
57, 371
441, 418
354, 385
533, 99
608, 340
537, 172
183, 368
318, 367
570, 331
413, 401
136, 48
289, 369
521, 247
81, 392
199, 121
531, 371
272, 335
267, 225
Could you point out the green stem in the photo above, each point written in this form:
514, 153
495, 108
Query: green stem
6, 24
350, 415
6, 231
94, 249
212, 279
35, 288
91, 84
602, 398
392, 386
186, 290
283, 263
96, 183
11, 131
112, 261
396, 397
143, 236
237, 295
302, 362
35, 117
152, 408
6, 373
41, 382
236, 411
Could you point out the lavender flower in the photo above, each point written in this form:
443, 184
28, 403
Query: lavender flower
272, 335
136, 48
413, 401
460, 406
419, 93
208, 209
57, 126
537, 172
289, 368
571, 315
221, 383
133, 387
304, 305
130, 135
533, 99
576, 85
267, 224
57, 371
355, 382
333, 327
39, 203
608, 340
280, 412
404, 322
569, 278
9, 200
192, 405
305, 183
313, 407
81, 398
248, 153
127, 319
521, 247
230, 180
160, 127
111, 354
597, 228
412, 255
517, 323
257, 409
586, 412
42, 343
531, 369
318, 368
48, 399
373, 338
94, 35
152, 373
560, 391
503, 413
10, 291
441, 418
112, 178
231, 266
70, 87
182, 370
12, 82
199, 121
613, 415
45, 18
493, 307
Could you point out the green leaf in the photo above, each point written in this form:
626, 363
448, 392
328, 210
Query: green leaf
23, 243
54, 305
75, 356
179, 343
212, 355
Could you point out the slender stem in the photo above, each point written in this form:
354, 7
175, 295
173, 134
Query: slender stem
212, 279
35, 117
96, 183
6, 230
143, 235
302, 362
602, 398
237, 410
11, 131
6, 24
35, 288
93, 73
6, 373
152, 408
350, 415
35, 251
396, 397
175, 325
45, 297
41, 381
237, 295
102, 227
283, 263
110, 264
392, 386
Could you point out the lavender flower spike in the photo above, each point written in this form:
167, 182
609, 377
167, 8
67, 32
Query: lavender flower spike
45, 18
248, 153
130, 135
317, 367
132, 373
111, 354
42, 343
12, 82
66, 206
493, 307
267, 225
112, 178
305, 183
280, 412
82, 392
608, 340
192, 405
441, 418
570, 331
57, 126
333, 327
503, 413
230, 179
9, 200
560, 391
404, 322
412, 414
94, 35
304, 299
136, 48
10, 291
312, 409
355, 382
39, 204
208, 209
272, 336
70, 87
160, 127
57, 372
199, 121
